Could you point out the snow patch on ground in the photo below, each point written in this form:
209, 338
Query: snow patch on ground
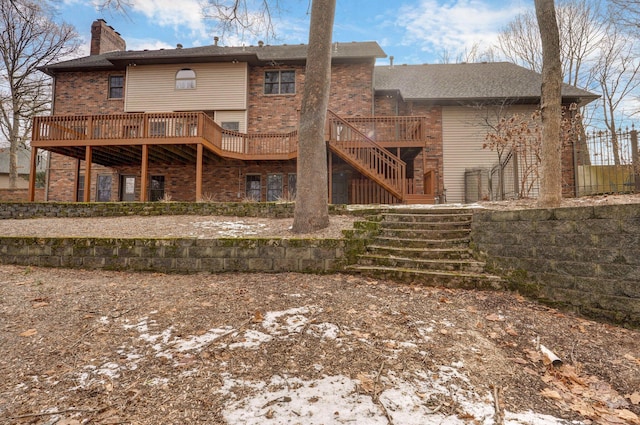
408, 398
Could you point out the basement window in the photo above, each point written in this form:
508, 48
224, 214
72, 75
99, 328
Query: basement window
253, 188
186, 79
274, 187
279, 82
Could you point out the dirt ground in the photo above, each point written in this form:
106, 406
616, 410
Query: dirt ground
98, 347
80, 347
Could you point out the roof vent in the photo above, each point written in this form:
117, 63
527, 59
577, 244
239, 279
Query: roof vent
215, 40
391, 61
260, 43
178, 46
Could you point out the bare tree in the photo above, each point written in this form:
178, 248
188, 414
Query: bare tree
311, 210
626, 12
240, 16
617, 73
469, 55
550, 105
581, 26
29, 39
519, 42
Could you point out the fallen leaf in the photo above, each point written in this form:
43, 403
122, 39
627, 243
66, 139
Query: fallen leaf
627, 415
630, 357
40, 304
552, 394
29, 332
495, 318
258, 317
445, 300
472, 309
444, 331
634, 398
511, 331
69, 422
366, 383
547, 378
519, 360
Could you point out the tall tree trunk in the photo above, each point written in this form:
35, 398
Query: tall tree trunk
551, 105
312, 210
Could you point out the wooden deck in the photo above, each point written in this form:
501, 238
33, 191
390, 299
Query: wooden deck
187, 137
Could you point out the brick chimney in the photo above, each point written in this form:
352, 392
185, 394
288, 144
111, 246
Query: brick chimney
105, 39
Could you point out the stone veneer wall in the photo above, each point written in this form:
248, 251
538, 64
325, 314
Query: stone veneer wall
587, 258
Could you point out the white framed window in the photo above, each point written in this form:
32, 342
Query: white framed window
186, 79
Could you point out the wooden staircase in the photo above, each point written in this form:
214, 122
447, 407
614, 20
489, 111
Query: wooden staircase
429, 246
366, 156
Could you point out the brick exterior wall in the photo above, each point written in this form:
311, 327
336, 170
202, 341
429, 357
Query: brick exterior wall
81, 93
105, 39
392, 104
352, 94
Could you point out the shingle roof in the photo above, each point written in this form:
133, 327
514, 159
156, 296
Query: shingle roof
467, 81
253, 54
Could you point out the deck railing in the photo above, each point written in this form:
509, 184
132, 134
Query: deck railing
367, 156
392, 128
187, 126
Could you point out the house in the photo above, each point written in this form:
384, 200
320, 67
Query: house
24, 156
220, 123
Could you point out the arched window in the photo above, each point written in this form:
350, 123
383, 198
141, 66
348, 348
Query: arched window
185, 79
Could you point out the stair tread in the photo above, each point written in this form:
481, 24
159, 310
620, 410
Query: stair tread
425, 260
427, 272
411, 249
441, 240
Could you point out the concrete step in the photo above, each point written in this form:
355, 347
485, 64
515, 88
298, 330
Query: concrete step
432, 277
422, 243
448, 265
412, 233
456, 253
427, 225
403, 217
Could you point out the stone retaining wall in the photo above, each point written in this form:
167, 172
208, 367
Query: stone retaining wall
183, 255
587, 258
12, 210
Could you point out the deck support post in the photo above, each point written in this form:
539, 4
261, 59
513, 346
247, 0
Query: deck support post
144, 171
32, 174
88, 159
199, 173
330, 177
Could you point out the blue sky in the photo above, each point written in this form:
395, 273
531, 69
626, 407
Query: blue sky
413, 31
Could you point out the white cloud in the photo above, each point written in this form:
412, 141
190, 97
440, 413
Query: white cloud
172, 13
147, 44
454, 26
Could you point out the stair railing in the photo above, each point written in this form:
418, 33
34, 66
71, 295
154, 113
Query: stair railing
366, 155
